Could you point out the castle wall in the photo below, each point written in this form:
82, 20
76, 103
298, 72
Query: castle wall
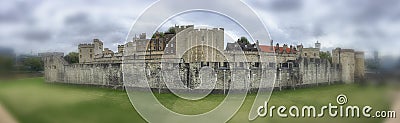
317, 71
190, 76
229, 69
308, 72
93, 74
246, 76
58, 70
54, 68
347, 64
359, 71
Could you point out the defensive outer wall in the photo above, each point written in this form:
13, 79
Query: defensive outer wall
289, 75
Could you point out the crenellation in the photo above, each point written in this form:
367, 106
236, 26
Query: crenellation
192, 49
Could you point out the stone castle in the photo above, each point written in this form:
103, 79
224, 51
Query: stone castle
188, 50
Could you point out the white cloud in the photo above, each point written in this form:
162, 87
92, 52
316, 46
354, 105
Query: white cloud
44, 25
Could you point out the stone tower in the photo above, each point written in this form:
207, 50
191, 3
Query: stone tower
98, 46
87, 52
351, 64
199, 39
359, 71
318, 45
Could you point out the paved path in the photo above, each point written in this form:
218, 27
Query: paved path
5, 117
395, 107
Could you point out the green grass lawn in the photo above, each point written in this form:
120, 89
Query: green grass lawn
34, 101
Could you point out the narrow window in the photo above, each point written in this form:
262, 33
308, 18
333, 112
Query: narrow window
257, 64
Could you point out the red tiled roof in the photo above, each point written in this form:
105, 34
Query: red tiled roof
265, 48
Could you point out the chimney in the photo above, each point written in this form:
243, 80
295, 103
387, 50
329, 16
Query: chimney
277, 48
284, 48
272, 43
291, 49
257, 43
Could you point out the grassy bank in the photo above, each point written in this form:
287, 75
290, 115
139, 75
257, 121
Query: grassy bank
33, 101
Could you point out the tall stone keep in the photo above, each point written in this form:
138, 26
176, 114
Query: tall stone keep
188, 37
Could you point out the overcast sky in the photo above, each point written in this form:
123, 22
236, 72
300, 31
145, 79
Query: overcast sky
60, 25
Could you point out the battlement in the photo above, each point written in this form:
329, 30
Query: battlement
359, 53
97, 41
343, 50
86, 45
347, 50
297, 65
51, 54
310, 49
207, 29
184, 27
181, 28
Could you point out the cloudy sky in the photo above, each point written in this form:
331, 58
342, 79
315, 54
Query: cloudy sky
31, 26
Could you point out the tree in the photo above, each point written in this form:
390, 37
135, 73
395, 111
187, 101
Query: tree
160, 34
72, 57
171, 30
6, 63
326, 55
33, 64
372, 64
243, 40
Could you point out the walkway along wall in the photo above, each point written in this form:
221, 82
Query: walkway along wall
291, 74
60, 71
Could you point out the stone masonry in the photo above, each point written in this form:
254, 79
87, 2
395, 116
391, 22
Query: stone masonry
190, 52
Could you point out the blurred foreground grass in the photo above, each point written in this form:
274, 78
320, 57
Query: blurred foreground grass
34, 101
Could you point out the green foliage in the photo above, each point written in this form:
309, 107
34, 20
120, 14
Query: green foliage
171, 30
72, 57
161, 34
243, 40
372, 64
6, 63
326, 55
32, 64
